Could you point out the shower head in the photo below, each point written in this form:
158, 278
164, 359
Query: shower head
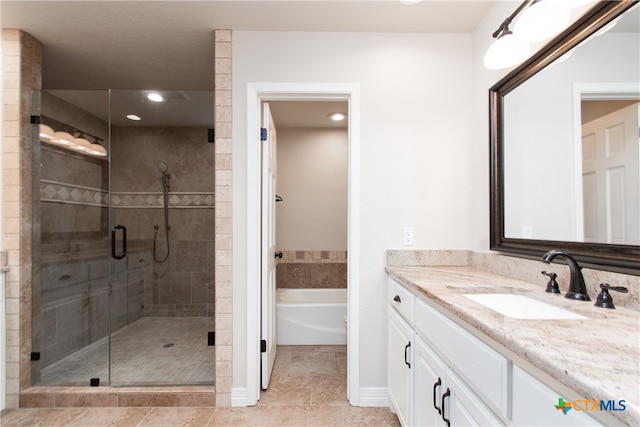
163, 167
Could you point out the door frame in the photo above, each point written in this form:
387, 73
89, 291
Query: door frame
256, 93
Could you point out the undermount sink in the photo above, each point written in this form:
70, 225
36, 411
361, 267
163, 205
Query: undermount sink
522, 307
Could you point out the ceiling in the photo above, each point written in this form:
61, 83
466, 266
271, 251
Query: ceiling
97, 45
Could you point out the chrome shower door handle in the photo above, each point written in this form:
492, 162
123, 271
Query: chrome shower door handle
123, 252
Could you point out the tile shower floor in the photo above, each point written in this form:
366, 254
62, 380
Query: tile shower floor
307, 388
150, 351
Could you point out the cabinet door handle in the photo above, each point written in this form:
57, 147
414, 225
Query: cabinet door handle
435, 386
444, 396
397, 298
406, 347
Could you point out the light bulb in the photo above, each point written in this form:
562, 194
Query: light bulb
97, 150
542, 20
506, 52
46, 133
82, 144
155, 97
63, 138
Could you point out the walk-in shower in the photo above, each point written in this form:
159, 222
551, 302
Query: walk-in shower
124, 320
165, 204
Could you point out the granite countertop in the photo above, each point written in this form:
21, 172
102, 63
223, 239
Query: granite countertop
598, 357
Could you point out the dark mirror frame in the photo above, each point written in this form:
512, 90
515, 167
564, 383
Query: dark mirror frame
605, 256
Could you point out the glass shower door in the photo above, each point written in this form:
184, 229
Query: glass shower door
162, 200
70, 239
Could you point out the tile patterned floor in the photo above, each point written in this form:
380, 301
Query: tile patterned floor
150, 351
307, 388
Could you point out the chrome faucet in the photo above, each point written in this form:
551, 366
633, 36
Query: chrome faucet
577, 288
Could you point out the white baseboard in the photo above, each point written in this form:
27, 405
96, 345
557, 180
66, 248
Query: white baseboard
374, 397
239, 397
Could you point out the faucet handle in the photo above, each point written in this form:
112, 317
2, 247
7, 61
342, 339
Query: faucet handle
604, 299
552, 285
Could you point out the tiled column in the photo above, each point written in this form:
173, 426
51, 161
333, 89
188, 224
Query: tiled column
223, 217
22, 60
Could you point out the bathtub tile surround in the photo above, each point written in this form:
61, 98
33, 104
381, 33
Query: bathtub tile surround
312, 269
521, 269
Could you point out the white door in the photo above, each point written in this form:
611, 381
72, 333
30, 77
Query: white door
268, 275
611, 178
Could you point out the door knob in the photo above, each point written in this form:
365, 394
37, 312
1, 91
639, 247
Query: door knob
278, 255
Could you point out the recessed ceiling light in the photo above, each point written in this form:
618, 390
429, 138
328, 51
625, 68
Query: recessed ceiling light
133, 117
337, 116
155, 97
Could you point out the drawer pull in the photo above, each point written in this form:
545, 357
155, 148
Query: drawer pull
435, 386
444, 396
397, 298
406, 347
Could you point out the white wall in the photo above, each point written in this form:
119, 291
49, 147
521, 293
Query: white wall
415, 154
483, 80
312, 180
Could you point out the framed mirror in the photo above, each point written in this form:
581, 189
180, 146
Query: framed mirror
564, 139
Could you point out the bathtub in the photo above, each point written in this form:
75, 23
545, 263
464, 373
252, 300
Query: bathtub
311, 316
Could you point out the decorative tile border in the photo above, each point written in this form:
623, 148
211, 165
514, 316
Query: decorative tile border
155, 200
58, 192
318, 257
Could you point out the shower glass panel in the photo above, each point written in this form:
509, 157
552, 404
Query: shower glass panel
123, 238
162, 220
70, 238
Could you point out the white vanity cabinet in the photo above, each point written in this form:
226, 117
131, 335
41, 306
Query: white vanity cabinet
424, 388
401, 337
400, 374
441, 374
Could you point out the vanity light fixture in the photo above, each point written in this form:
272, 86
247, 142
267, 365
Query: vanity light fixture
338, 117
410, 2
70, 137
155, 97
134, 117
536, 20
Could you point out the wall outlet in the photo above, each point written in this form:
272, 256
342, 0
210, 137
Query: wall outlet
407, 236
527, 231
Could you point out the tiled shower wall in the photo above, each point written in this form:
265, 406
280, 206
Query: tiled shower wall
183, 285
312, 269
